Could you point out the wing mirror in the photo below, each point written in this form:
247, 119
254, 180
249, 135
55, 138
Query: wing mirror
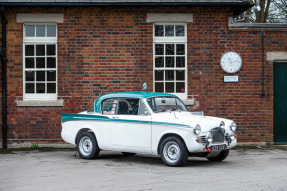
144, 87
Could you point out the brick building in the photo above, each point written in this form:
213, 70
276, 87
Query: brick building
61, 55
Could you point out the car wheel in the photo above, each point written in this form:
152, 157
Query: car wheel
220, 157
87, 146
173, 151
128, 154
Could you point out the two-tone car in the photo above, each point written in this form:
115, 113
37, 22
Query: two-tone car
148, 123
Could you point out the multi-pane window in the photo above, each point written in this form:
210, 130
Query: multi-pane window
166, 30
40, 62
170, 58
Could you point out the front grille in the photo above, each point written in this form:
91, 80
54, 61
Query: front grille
217, 135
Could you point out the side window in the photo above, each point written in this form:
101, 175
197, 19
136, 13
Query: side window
128, 106
109, 106
143, 110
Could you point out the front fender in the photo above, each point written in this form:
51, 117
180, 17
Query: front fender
160, 132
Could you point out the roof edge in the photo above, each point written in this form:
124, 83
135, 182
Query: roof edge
256, 26
236, 7
121, 4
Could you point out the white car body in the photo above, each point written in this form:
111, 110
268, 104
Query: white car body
144, 133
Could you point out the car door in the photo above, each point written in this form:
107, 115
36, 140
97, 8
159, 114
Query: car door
131, 125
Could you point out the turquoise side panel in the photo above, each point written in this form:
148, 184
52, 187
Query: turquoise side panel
82, 117
130, 121
174, 124
149, 122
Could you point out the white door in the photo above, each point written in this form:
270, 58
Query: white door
131, 125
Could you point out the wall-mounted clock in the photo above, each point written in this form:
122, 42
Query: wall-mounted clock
231, 62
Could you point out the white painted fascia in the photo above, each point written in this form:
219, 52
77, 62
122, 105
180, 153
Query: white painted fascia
169, 17
276, 56
39, 18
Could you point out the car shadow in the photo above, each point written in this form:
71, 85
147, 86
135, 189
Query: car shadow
156, 160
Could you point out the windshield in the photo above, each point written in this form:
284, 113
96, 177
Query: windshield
162, 104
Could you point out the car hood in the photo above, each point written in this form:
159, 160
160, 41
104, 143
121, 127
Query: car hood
189, 119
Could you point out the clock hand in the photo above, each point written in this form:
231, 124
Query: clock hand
235, 60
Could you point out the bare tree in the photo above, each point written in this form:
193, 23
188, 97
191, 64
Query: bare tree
267, 11
279, 11
262, 14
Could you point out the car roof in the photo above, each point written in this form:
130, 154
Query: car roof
128, 95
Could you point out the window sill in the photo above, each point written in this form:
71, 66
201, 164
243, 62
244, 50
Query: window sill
188, 101
40, 103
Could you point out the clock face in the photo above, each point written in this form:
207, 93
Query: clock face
231, 62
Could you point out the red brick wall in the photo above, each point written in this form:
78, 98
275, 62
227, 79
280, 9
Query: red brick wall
103, 50
241, 101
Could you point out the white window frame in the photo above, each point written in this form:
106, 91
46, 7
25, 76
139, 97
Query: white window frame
40, 41
171, 40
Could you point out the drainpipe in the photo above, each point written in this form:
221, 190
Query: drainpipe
4, 79
263, 72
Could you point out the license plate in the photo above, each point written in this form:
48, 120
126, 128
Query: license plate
218, 147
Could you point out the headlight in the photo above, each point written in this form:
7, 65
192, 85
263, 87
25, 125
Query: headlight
197, 130
209, 138
222, 124
222, 127
233, 126
223, 131
232, 136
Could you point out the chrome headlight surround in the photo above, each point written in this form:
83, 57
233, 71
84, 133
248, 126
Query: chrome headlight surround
197, 129
232, 136
222, 127
222, 124
209, 138
233, 126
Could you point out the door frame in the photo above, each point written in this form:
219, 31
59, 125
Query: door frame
275, 64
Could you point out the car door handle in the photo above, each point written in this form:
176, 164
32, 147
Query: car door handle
115, 117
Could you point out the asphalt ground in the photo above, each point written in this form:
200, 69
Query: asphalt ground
61, 170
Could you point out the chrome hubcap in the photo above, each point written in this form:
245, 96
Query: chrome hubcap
85, 145
171, 151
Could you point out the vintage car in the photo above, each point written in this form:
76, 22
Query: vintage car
148, 123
